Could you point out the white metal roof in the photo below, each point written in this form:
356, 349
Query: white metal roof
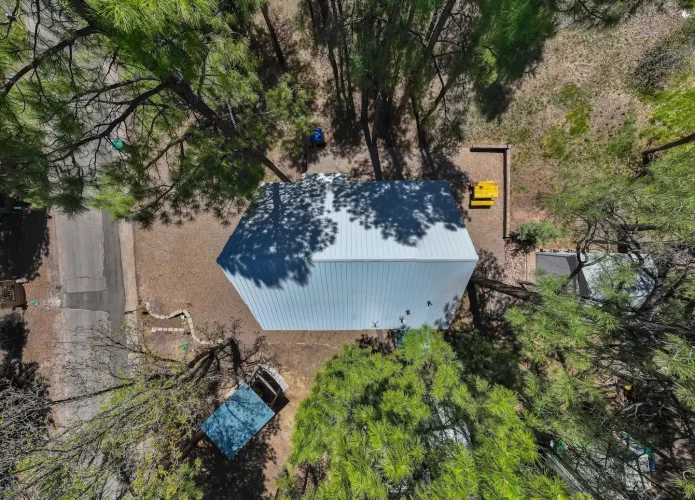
328, 218
333, 254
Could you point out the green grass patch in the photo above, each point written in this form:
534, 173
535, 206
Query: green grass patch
578, 113
578, 118
674, 109
569, 94
623, 145
555, 142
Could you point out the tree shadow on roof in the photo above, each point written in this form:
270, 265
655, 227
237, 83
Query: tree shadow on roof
402, 211
285, 226
289, 223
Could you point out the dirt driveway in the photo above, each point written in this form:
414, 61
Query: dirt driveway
177, 269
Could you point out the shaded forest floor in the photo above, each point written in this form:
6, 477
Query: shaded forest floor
585, 76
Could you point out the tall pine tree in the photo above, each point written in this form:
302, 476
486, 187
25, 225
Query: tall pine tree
409, 425
143, 108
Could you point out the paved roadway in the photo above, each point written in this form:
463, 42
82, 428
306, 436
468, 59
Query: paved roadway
91, 276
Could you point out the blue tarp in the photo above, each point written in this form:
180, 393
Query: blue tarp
237, 420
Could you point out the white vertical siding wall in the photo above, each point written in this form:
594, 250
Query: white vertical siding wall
355, 295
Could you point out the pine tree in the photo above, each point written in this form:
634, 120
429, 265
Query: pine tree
137, 441
613, 363
143, 108
409, 425
434, 58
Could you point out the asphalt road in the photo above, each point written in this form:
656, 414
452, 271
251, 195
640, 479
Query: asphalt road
91, 277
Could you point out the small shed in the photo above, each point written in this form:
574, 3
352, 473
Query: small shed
332, 254
237, 420
245, 412
588, 281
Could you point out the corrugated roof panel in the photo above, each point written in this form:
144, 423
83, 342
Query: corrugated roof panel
361, 295
327, 217
331, 254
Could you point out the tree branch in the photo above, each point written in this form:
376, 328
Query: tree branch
647, 153
80, 33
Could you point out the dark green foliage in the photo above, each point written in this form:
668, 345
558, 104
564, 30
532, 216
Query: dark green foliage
615, 364
174, 84
533, 233
598, 372
410, 425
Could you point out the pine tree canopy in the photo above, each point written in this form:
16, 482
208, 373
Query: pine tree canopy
135, 445
143, 108
409, 425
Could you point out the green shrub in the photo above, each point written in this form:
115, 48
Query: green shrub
533, 234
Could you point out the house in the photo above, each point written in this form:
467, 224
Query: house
332, 254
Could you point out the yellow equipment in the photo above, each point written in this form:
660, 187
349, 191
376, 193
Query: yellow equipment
486, 189
484, 194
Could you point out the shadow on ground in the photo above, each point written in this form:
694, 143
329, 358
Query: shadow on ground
23, 244
479, 334
242, 477
13, 335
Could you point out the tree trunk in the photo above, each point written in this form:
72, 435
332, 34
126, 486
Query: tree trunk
336, 75
422, 139
441, 22
380, 90
475, 306
274, 38
442, 94
371, 148
60, 46
314, 26
344, 59
511, 290
323, 8
647, 153
337, 41
433, 33
269, 164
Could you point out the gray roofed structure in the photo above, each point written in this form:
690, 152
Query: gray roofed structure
598, 266
333, 254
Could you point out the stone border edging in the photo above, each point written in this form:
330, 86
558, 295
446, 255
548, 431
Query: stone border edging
180, 312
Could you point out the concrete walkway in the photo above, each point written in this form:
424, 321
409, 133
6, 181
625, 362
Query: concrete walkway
91, 275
